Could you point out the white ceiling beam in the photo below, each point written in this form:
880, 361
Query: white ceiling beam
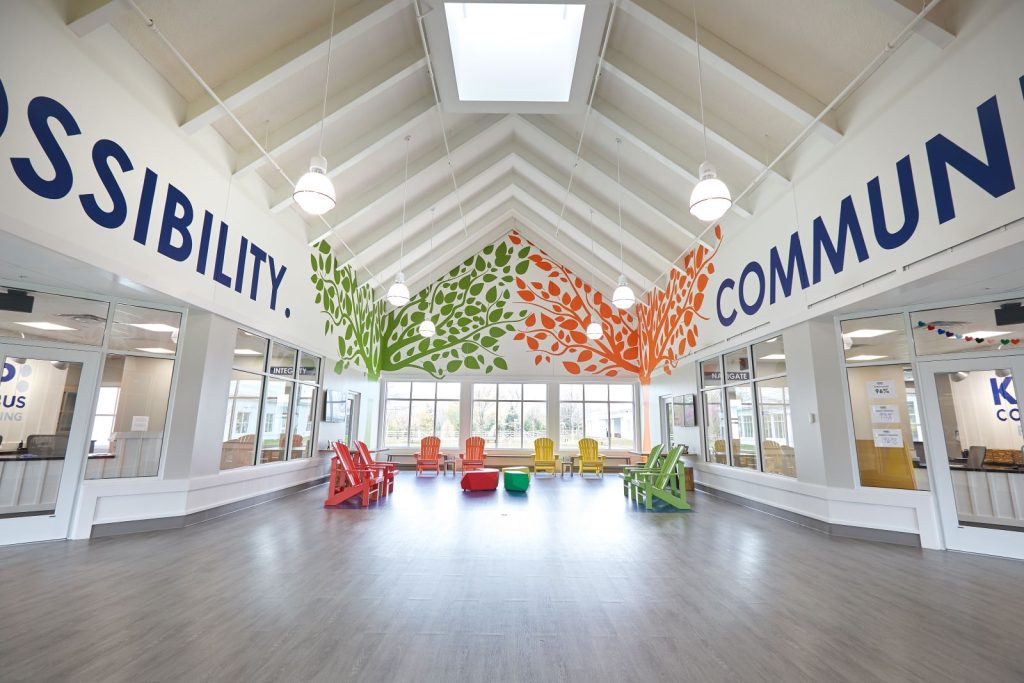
927, 29
650, 145
647, 85
289, 61
85, 16
739, 68
366, 146
484, 131
307, 125
553, 138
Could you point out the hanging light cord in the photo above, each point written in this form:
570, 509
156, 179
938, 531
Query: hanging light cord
327, 78
700, 79
405, 195
618, 179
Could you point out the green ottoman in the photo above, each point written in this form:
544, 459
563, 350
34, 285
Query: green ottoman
516, 478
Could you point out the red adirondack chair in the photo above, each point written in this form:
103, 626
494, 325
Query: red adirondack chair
387, 469
348, 480
473, 458
430, 458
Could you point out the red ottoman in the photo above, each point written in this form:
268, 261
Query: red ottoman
484, 479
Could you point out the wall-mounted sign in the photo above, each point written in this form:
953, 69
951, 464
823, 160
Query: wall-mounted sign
884, 413
730, 376
140, 423
282, 370
882, 388
888, 438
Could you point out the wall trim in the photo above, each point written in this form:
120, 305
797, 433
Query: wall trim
182, 521
841, 530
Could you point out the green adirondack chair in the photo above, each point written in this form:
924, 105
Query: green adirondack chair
653, 460
667, 484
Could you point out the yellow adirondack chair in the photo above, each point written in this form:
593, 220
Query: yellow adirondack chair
590, 459
544, 455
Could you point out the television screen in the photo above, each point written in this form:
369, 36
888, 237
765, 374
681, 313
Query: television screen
334, 406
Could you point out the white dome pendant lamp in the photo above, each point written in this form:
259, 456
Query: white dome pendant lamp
427, 328
594, 329
398, 294
623, 296
710, 198
314, 193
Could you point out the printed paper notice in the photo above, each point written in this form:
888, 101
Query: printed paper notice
884, 413
883, 388
888, 438
140, 423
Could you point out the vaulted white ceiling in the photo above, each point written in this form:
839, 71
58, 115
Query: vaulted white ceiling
769, 68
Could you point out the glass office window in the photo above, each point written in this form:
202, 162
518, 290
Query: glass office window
282, 360
737, 366
309, 367
741, 426
769, 357
242, 421
250, 351
711, 372
52, 317
957, 329
778, 452
414, 410
714, 427
277, 402
880, 338
147, 330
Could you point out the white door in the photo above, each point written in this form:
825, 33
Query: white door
975, 451
46, 400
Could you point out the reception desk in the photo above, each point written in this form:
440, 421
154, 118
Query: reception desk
29, 483
989, 496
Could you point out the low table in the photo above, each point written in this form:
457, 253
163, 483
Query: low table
566, 464
448, 464
516, 478
483, 479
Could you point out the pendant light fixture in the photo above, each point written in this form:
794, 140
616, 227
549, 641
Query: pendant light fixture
427, 328
398, 294
314, 193
623, 296
710, 198
594, 329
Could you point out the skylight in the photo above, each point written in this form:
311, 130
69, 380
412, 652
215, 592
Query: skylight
511, 52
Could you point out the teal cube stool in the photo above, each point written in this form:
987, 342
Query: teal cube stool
516, 478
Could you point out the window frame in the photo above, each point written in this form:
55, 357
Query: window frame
409, 400
583, 402
522, 401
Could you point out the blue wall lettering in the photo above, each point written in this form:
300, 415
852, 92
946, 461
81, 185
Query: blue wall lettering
1001, 391
102, 153
849, 225
783, 279
40, 111
911, 213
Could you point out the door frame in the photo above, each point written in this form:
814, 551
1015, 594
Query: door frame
972, 539
55, 526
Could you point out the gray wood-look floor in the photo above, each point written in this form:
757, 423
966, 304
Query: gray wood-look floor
565, 583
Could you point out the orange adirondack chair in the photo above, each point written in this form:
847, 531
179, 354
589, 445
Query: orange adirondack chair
473, 458
430, 457
387, 469
348, 480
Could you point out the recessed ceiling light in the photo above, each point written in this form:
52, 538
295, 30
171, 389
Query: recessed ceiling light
49, 327
866, 356
774, 356
155, 349
154, 327
769, 341
514, 52
868, 333
247, 352
986, 333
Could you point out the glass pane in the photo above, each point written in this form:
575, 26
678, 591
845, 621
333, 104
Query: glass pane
510, 392
447, 421
144, 329
449, 390
309, 367
242, 420
423, 390
421, 423
570, 419
510, 424
282, 360
398, 389
570, 392
711, 372
993, 323
741, 426
769, 358
35, 315
485, 419
134, 393
622, 436
595, 422
535, 392
776, 427
714, 419
535, 422
302, 430
484, 391
595, 392
396, 423
737, 366
250, 352
882, 337
276, 410
39, 397
981, 429
887, 454
620, 392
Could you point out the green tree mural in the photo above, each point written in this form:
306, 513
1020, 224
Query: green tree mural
467, 306
350, 308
